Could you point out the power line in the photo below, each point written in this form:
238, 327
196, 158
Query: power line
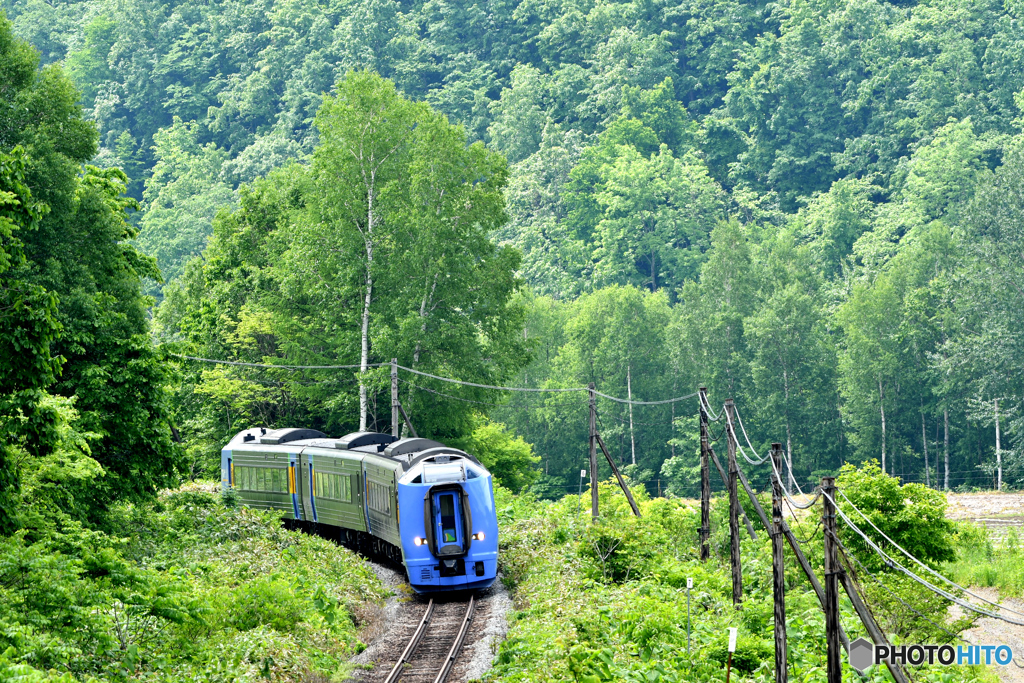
274, 366
895, 565
439, 378
849, 556
922, 564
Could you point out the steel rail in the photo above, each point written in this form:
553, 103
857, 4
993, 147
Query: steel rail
413, 643
457, 645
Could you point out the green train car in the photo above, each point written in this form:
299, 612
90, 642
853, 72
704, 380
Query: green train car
344, 483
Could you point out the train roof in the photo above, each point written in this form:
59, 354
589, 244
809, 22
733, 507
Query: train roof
407, 452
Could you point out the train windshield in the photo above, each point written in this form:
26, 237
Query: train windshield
448, 520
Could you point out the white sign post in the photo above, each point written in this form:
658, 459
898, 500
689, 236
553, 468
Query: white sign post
732, 648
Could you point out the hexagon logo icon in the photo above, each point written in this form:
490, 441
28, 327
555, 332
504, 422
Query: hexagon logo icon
862, 654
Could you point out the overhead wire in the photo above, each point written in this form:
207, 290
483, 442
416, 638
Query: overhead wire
707, 408
849, 556
922, 564
890, 562
274, 365
729, 424
440, 378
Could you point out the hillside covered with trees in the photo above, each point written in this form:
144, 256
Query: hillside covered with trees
814, 208
807, 206
811, 207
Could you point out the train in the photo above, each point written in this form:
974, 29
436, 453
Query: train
417, 502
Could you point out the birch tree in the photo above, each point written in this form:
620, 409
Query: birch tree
366, 132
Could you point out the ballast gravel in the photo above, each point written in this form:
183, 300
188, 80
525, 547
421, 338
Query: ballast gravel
391, 626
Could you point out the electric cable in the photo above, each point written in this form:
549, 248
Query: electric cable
707, 409
275, 366
922, 564
895, 565
849, 556
441, 379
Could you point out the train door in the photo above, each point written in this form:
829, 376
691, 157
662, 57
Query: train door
304, 481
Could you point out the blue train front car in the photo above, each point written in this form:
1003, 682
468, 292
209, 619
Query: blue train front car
448, 523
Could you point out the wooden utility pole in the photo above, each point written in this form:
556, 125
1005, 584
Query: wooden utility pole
725, 483
874, 632
593, 452
394, 397
615, 470
734, 507
778, 569
801, 559
833, 667
705, 481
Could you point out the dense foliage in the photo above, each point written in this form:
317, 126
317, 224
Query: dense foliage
822, 198
83, 404
183, 589
608, 601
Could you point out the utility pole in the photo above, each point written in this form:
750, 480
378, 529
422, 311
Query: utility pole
734, 507
593, 452
705, 481
832, 571
394, 397
778, 568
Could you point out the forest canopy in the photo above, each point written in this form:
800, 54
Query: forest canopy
811, 207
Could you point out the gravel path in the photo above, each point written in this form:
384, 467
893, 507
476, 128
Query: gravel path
1000, 512
988, 631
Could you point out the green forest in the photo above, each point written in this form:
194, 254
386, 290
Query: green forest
810, 207
813, 208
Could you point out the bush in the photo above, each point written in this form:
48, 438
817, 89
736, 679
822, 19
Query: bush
266, 601
912, 515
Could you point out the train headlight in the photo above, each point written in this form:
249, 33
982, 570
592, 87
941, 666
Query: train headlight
418, 541
478, 536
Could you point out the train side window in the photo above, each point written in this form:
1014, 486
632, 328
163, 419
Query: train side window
378, 497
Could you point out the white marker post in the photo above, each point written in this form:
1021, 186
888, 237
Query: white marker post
689, 585
579, 495
732, 648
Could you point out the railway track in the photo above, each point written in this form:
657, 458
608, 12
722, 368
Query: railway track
434, 646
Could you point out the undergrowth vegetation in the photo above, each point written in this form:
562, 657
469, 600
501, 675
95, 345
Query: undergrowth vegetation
607, 601
982, 561
189, 588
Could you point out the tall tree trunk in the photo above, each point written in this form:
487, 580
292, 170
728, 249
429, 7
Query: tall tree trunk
364, 356
428, 298
789, 434
999, 452
945, 444
672, 420
654, 274
924, 442
881, 407
629, 394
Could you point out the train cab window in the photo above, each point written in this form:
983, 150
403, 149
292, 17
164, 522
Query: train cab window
449, 531
438, 474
